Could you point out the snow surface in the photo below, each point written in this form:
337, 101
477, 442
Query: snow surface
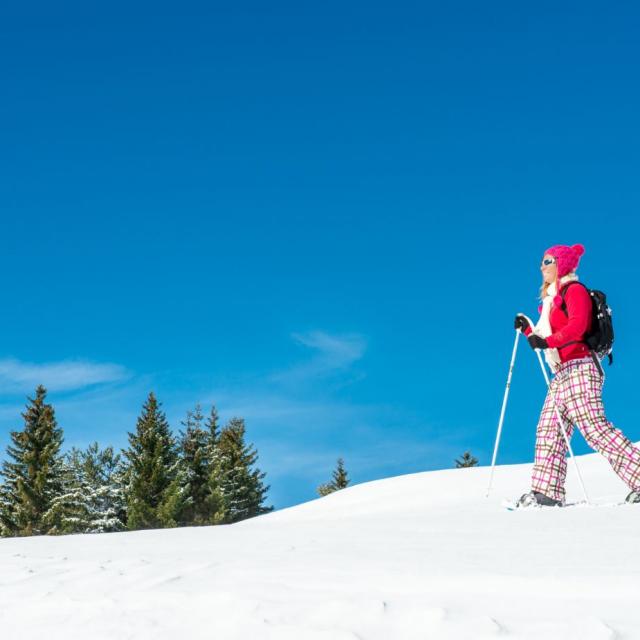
422, 556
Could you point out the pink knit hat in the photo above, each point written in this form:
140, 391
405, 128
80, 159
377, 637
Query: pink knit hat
567, 258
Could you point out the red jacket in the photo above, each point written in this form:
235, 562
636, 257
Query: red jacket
572, 325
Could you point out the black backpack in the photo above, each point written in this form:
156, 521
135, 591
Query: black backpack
599, 339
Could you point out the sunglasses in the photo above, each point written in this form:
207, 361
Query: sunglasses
547, 261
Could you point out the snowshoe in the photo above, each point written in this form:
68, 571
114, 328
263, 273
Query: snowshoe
537, 499
633, 497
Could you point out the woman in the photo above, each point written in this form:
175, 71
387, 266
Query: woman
575, 393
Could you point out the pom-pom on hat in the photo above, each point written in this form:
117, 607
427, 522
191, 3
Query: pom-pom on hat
567, 258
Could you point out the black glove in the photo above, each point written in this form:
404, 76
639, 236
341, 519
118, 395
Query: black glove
536, 342
520, 323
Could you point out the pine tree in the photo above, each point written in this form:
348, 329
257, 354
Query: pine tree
340, 477
175, 500
213, 430
68, 512
154, 486
195, 468
467, 460
32, 472
104, 473
92, 497
215, 504
98, 477
6, 508
339, 480
241, 484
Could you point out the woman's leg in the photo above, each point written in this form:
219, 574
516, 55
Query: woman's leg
586, 410
550, 465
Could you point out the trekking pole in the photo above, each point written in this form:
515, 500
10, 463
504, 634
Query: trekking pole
564, 433
504, 406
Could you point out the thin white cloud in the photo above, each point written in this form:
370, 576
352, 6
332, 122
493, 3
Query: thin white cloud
298, 399
335, 352
21, 377
331, 355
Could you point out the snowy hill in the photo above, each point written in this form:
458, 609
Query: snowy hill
423, 556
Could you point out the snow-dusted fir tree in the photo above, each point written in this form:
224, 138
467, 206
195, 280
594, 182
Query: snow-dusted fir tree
195, 463
213, 432
31, 472
240, 482
92, 497
68, 512
6, 501
103, 471
339, 480
466, 460
214, 505
176, 498
99, 472
154, 486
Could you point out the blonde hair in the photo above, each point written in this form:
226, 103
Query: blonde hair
544, 287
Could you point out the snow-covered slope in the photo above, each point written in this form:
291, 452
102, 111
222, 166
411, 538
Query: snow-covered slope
423, 556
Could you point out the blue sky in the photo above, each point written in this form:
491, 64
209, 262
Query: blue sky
321, 218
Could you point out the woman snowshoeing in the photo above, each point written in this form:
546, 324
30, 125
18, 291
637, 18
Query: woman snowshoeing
575, 393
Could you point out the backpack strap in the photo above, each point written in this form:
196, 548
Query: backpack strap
563, 306
597, 362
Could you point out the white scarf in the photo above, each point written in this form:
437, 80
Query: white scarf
543, 327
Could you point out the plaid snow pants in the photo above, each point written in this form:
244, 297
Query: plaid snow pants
576, 391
